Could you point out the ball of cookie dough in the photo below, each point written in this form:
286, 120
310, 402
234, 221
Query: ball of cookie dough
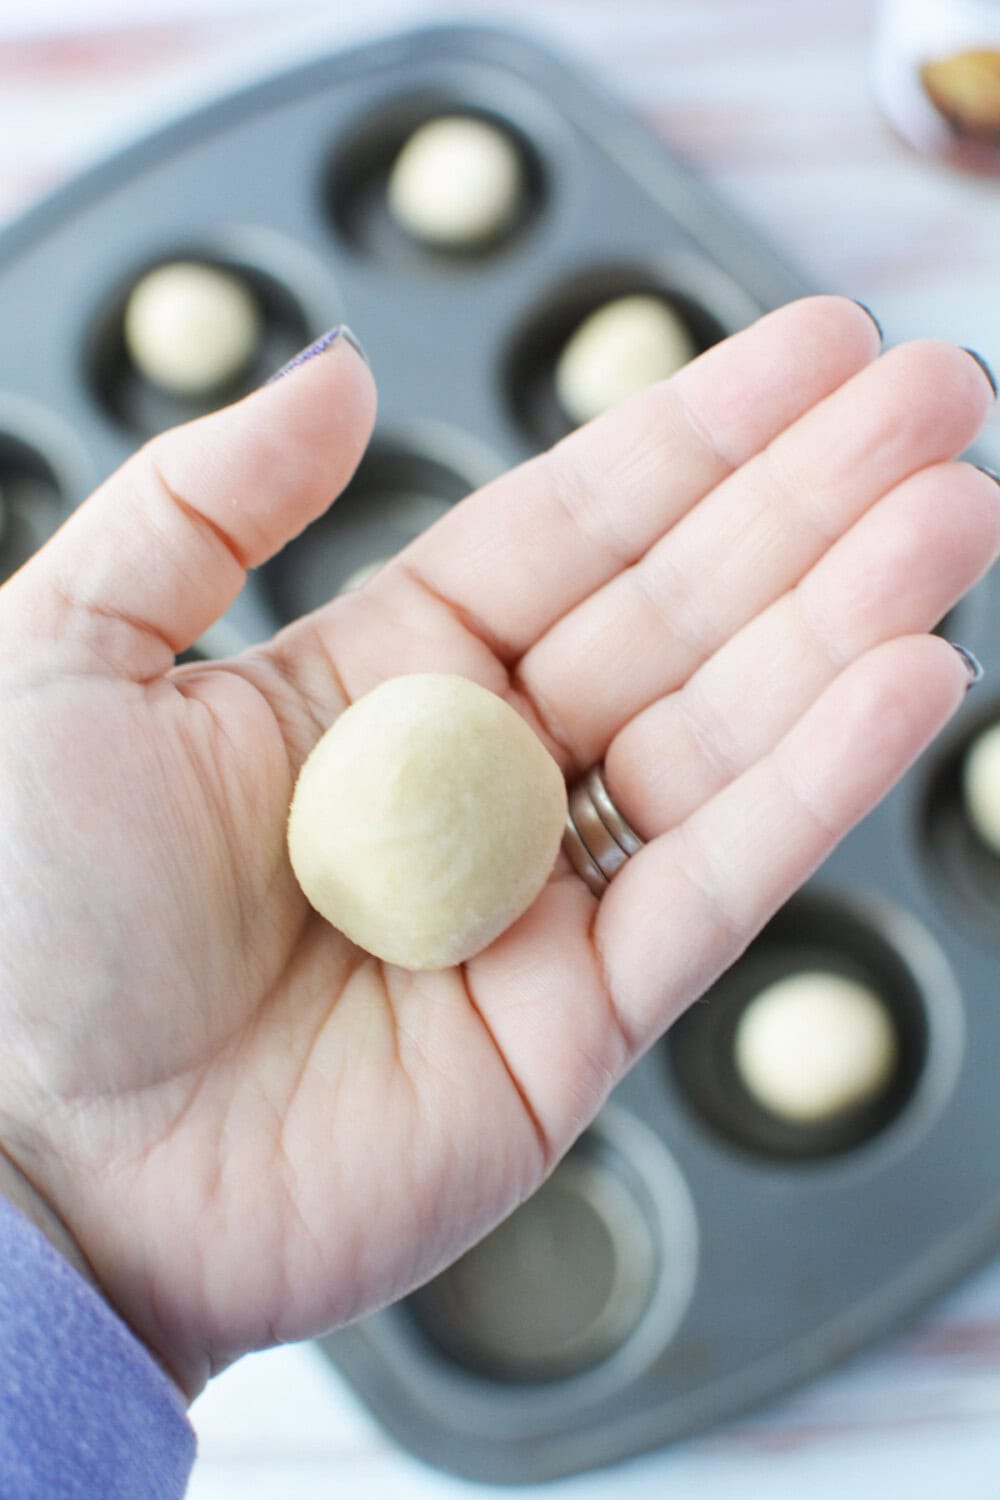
621, 348
426, 820
814, 1045
458, 182
191, 328
981, 787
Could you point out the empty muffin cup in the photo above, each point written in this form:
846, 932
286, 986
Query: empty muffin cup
394, 496
813, 1043
33, 502
557, 1288
189, 333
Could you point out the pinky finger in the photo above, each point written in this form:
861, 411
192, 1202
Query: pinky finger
688, 903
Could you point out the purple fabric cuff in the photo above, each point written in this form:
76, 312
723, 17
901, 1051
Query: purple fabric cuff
85, 1411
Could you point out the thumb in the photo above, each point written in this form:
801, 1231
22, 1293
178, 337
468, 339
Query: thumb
161, 549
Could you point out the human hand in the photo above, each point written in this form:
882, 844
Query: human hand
250, 1130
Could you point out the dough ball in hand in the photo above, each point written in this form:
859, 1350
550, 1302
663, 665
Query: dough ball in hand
426, 820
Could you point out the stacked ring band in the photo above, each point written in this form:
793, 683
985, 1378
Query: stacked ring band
597, 840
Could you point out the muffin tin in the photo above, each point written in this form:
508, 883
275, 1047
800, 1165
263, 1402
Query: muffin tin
694, 1254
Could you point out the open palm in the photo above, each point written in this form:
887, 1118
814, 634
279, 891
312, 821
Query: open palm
253, 1130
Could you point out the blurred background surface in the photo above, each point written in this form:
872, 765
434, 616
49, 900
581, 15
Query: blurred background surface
771, 102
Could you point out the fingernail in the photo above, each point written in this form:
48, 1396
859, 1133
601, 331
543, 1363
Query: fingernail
866, 309
983, 365
350, 337
990, 474
340, 332
973, 665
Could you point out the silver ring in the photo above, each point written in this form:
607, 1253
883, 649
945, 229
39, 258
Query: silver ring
597, 840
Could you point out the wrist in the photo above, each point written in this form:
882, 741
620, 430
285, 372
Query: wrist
20, 1191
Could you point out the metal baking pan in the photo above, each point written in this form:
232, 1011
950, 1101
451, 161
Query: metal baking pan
692, 1256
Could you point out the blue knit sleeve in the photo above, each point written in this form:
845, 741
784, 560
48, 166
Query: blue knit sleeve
85, 1411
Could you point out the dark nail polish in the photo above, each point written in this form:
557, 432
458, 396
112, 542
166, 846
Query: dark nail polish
984, 366
350, 337
340, 332
973, 665
878, 326
990, 473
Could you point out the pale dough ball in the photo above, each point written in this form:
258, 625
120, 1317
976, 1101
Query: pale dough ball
814, 1045
457, 181
621, 348
981, 786
361, 575
426, 820
191, 328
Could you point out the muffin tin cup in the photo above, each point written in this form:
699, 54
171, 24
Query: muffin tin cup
882, 947
710, 304
360, 165
958, 863
293, 294
44, 471
400, 489
617, 1198
502, 1394
727, 1261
